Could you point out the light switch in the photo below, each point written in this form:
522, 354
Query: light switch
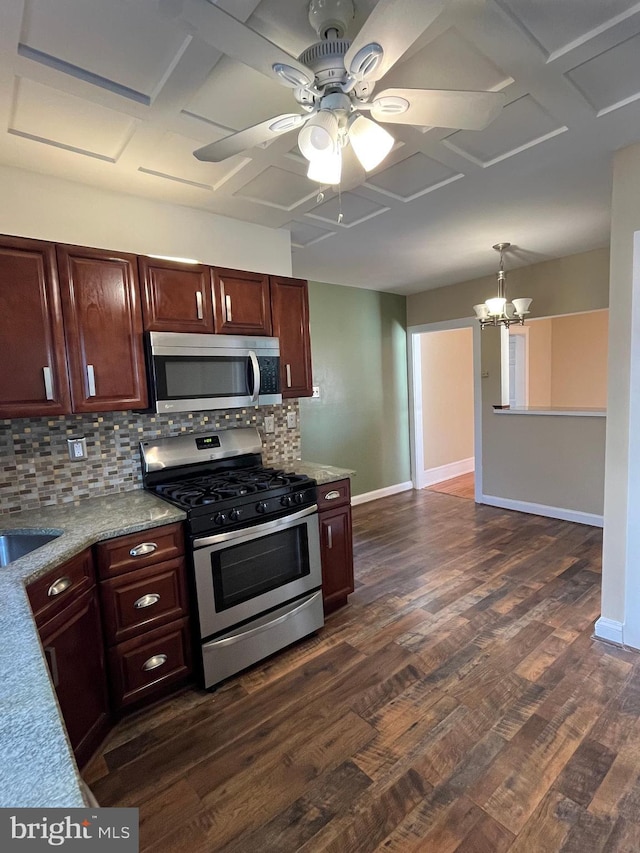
269, 423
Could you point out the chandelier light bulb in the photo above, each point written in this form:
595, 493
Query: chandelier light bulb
326, 169
319, 135
371, 142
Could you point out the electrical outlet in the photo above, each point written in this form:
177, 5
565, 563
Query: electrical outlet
269, 423
292, 420
77, 449
316, 392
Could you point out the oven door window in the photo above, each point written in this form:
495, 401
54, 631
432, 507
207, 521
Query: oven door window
245, 571
192, 378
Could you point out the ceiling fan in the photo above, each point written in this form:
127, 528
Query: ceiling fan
333, 82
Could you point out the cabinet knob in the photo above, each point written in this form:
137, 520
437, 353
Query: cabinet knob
332, 496
59, 586
147, 600
329, 536
143, 549
199, 311
227, 301
154, 662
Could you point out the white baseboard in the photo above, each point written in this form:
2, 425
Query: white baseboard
548, 511
609, 629
381, 493
445, 472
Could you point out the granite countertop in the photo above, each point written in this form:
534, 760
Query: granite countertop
38, 767
321, 473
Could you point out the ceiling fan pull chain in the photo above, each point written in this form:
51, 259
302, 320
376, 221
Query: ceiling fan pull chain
340, 216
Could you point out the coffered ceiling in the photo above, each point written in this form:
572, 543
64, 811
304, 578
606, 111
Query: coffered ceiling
116, 95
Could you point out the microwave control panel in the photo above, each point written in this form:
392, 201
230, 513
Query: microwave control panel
269, 374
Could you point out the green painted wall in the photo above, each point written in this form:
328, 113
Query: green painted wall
361, 421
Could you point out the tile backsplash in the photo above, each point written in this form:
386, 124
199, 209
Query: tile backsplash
35, 469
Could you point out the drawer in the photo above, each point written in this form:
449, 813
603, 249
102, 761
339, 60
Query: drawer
49, 594
143, 599
144, 666
334, 494
136, 550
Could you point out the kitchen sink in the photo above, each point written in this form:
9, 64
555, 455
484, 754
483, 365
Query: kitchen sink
16, 544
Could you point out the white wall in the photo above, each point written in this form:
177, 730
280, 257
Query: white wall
620, 566
49, 208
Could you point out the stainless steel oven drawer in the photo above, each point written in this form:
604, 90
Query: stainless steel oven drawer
238, 649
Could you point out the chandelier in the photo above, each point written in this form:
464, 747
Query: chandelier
497, 311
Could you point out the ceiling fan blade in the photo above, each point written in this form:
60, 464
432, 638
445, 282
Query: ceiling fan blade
235, 39
438, 107
394, 25
236, 143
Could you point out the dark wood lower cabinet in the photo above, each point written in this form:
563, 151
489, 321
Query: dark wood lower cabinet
336, 543
72, 643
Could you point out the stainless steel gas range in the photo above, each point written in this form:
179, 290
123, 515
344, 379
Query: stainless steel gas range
254, 540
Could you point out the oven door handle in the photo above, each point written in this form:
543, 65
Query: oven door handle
256, 532
256, 376
243, 635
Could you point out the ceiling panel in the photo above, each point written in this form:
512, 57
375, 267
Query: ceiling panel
117, 41
556, 23
304, 234
355, 209
612, 78
173, 158
278, 188
55, 118
522, 123
412, 177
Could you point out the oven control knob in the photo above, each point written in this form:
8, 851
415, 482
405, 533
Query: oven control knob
298, 497
234, 515
220, 518
287, 500
261, 507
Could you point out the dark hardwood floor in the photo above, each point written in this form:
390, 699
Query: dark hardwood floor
458, 703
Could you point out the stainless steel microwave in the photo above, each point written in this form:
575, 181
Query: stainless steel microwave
193, 372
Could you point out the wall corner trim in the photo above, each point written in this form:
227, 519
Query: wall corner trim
574, 515
381, 493
610, 630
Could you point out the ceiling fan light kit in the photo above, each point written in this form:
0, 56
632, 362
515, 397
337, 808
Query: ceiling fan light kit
496, 311
333, 81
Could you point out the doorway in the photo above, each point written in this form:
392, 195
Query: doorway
441, 427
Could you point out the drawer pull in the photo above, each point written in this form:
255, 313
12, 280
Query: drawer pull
199, 310
332, 496
154, 662
329, 536
143, 549
48, 384
91, 381
59, 586
147, 600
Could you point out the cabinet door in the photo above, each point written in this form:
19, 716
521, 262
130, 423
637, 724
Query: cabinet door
103, 328
175, 297
241, 302
290, 314
33, 379
336, 549
72, 644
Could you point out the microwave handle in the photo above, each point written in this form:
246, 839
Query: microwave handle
256, 376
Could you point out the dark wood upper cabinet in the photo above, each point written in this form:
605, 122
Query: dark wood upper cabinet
33, 379
241, 302
103, 329
176, 297
290, 315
